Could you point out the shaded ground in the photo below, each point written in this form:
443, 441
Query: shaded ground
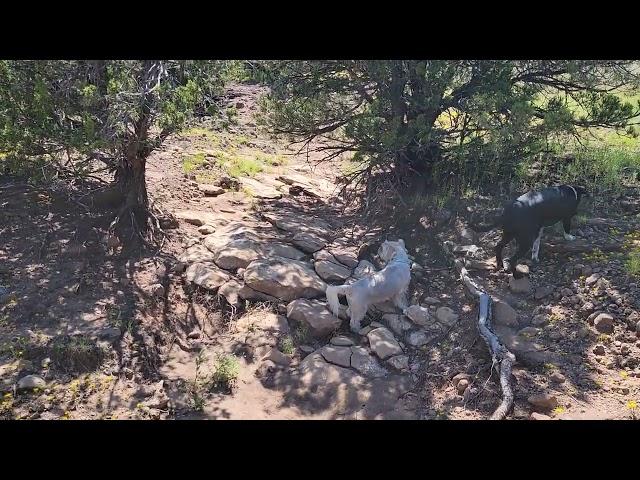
133, 350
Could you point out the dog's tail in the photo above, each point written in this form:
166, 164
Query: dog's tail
332, 296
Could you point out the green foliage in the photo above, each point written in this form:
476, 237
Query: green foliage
192, 162
203, 133
238, 71
67, 110
240, 165
76, 353
232, 115
16, 348
196, 387
633, 262
461, 122
603, 167
286, 345
225, 372
301, 333
271, 160
177, 104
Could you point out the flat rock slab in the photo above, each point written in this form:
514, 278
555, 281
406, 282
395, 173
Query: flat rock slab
308, 242
236, 245
316, 187
341, 341
281, 250
504, 314
238, 253
196, 253
273, 182
317, 372
337, 355
419, 315
365, 363
211, 190
315, 314
325, 255
196, 217
520, 285
284, 278
347, 257
260, 233
234, 289
399, 324
295, 223
330, 271
206, 275
326, 387
383, 343
260, 189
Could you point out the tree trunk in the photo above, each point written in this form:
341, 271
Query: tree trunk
99, 76
132, 183
130, 177
418, 157
398, 83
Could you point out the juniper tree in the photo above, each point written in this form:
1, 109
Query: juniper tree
418, 119
115, 111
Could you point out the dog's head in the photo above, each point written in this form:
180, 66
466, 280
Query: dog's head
388, 249
581, 192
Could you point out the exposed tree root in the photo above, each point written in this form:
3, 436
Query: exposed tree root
503, 359
137, 225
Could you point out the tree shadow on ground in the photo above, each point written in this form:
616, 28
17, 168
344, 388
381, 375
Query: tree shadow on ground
60, 278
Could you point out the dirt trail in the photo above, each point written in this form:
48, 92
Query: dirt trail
164, 331
281, 393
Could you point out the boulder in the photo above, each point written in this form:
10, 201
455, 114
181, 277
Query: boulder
284, 278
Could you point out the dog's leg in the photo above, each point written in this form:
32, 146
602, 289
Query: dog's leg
400, 300
536, 247
358, 313
524, 244
566, 223
506, 238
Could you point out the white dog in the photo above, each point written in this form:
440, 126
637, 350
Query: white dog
390, 283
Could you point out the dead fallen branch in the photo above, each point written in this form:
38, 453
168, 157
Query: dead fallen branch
503, 359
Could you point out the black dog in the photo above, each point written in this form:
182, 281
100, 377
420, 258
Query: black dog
525, 218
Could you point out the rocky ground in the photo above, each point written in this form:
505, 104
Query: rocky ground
229, 319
